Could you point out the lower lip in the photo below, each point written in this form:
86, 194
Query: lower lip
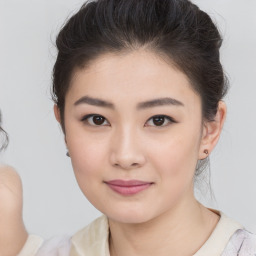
131, 190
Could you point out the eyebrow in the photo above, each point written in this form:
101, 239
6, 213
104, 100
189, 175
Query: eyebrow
141, 105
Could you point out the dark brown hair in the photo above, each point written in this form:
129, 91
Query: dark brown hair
175, 29
3, 136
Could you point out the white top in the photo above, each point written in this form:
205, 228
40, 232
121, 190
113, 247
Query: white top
229, 238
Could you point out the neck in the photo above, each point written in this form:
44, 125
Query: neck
178, 232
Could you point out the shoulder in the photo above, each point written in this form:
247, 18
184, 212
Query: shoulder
56, 246
242, 243
88, 238
31, 246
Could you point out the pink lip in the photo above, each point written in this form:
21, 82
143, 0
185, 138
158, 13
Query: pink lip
128, 187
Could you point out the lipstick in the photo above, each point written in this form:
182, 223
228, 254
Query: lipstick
128, 187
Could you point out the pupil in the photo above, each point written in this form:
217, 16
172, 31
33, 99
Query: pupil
158, 120
98, 120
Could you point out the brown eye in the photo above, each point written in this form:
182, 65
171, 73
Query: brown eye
161, 121
94, 120
99, 120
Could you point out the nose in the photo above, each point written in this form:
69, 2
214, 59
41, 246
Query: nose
126, 150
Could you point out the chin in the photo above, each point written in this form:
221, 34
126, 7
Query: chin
129, 216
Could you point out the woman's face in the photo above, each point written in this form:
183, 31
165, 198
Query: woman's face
144, 124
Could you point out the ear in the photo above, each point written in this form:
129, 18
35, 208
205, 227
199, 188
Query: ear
57, 113
211, 131
58, 118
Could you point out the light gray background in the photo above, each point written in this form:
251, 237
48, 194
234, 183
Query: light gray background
53, 203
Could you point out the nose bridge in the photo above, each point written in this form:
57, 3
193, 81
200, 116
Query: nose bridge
126, 149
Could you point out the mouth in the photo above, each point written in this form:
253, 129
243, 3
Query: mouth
128, 187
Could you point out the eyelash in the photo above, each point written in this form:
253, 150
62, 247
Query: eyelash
170, 119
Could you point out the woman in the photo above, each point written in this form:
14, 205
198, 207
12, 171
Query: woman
138, 89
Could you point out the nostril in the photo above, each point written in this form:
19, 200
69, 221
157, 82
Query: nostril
127, 160
126, 166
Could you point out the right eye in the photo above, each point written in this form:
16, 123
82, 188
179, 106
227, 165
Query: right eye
94, 120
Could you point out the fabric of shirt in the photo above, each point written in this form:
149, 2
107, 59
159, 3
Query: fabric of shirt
229, 238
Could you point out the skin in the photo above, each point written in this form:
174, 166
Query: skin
165, 219
13, 234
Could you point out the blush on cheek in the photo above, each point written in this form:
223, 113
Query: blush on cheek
87, 159
179, 162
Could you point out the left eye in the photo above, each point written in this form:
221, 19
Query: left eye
160, 120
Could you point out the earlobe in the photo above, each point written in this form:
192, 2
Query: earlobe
57, 113
211, 131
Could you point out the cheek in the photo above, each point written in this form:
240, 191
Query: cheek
87, 155
175, 165
175, 158
87, 159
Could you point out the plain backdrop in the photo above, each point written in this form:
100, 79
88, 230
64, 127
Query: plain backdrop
53, 203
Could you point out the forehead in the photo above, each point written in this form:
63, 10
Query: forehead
134, 76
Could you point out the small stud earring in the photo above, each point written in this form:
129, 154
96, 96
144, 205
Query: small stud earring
206, 152
67, 154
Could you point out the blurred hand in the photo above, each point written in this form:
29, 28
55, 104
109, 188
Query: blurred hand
13, 234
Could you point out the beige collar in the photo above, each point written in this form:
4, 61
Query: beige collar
93, 239
220, 236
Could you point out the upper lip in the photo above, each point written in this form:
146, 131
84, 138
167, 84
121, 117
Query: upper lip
127, 183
